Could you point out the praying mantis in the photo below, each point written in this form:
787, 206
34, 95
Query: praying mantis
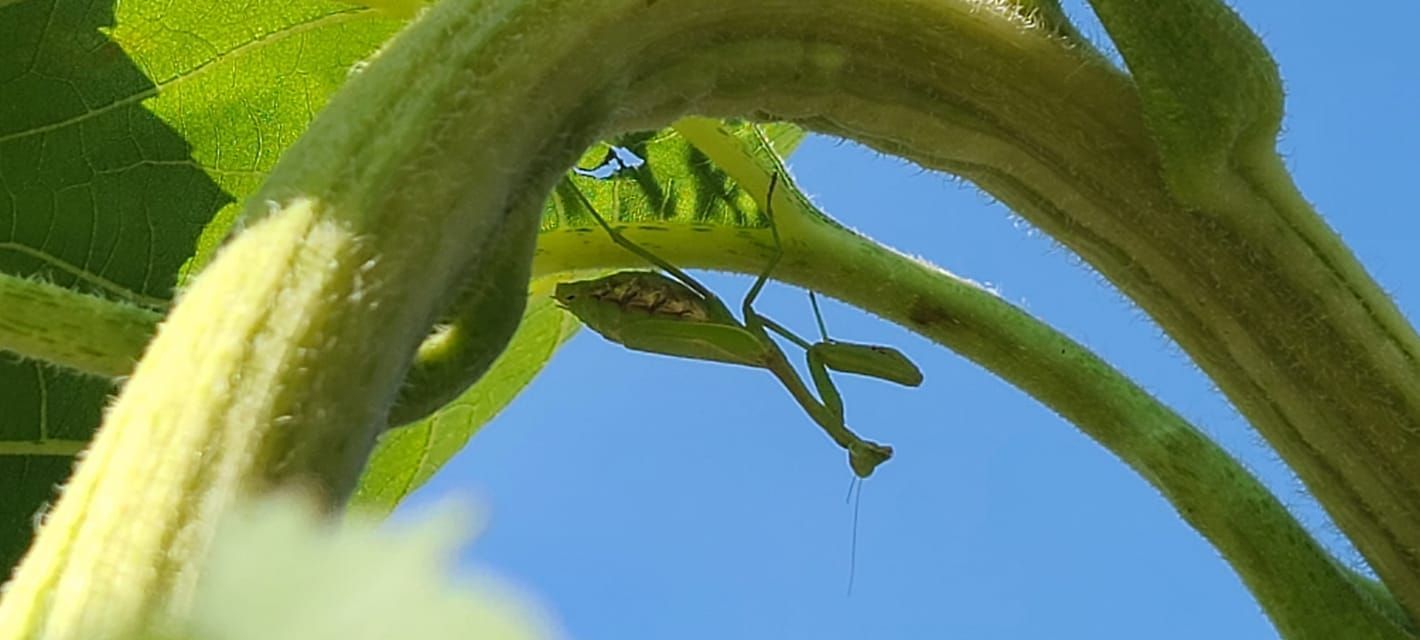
673, 314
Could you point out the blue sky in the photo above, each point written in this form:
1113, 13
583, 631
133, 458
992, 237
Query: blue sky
648, 497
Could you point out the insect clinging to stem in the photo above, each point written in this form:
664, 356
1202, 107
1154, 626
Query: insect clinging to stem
672, 313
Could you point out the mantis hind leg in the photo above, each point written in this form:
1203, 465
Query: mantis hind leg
818, 317
640, 251
747, 307
818, 371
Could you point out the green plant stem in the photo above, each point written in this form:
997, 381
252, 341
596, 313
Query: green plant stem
1305, 592
63, 448
292, 343
72, 329
478, 325
1296, 615
1293, 577
1260, 292
102, 337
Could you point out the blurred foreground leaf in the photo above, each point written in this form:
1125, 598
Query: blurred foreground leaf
277, 572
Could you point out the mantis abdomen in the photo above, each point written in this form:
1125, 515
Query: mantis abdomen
647, 311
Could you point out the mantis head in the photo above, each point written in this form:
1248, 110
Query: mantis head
865, 456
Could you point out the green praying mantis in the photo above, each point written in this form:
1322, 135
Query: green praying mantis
673, 314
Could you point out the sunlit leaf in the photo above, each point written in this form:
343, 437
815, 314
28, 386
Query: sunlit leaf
125, 129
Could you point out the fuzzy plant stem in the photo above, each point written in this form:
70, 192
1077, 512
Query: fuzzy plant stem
279, 364
104, 337
72, 329
1306, 592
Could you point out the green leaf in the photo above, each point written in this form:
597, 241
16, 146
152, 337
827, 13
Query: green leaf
139, 132
155, 123
125, 129
678, 193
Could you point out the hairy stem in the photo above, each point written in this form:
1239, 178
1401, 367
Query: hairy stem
1296, 581
292, 343
102, 337
1305, 592
64, 327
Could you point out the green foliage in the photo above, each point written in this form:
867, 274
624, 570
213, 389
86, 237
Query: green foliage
151, 142
124, 131
138, 128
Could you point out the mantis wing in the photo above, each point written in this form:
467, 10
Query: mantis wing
649, 312
699, 340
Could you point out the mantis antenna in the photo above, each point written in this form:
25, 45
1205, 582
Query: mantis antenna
853, 544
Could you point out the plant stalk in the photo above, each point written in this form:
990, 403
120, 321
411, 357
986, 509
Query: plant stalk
290, 347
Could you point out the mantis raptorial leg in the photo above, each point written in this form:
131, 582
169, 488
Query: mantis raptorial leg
679, 316
876, 361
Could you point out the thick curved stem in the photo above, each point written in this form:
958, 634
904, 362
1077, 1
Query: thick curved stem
1305, 592
292, 343
1260, 293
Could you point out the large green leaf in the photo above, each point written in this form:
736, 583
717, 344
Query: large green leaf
124, 131
130, 135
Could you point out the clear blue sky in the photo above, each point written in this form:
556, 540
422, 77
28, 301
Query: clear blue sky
648, 497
